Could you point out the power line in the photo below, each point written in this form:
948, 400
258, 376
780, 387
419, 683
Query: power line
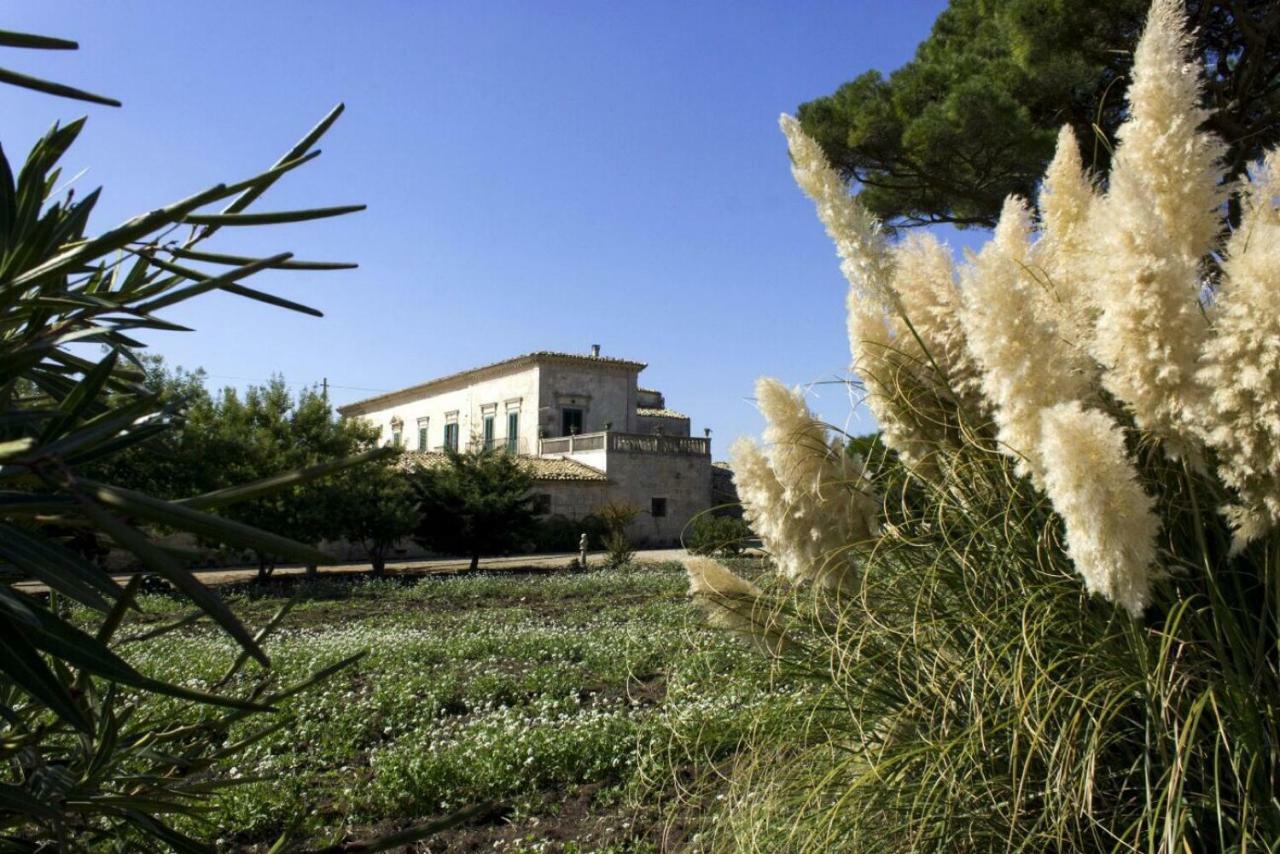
295, 384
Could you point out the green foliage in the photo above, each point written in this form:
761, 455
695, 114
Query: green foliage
82, 766
374, 505
617, 517
974, 697
477, 503
561, 534
476, 686
973, 117
723, 536
232, 439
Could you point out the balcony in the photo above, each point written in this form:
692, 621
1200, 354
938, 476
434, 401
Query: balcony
625, 443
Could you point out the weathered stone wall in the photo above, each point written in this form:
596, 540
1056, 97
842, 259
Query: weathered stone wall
606, 394
667, 425
683, 480
573, 499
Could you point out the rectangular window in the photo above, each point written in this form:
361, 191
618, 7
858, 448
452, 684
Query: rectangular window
395, 438
488, 432
570, 422
542, 504
657, 507
513, 431
451, 436
423, 424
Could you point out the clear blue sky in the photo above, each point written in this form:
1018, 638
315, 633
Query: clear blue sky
539, 175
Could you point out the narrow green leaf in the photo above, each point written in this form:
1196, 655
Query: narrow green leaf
13, 78
244, 492
140, 226
21, 663
8, 38
183, 622
271, 218
58, 568
155, 559
79, 649
301, 148
204, 524
179, 842
258, 638
208, 283
218, 258
16, 799
84, 395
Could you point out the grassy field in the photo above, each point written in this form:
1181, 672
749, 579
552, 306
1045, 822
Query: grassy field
590, 705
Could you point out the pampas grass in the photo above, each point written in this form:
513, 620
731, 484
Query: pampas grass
1061, 630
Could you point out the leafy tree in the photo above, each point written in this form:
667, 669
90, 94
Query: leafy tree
163, 465
373, 505
475, 503
268, 431
973, 117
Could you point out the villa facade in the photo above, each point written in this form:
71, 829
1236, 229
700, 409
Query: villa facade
587, 431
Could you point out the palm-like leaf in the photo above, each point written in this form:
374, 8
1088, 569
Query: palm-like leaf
83, 765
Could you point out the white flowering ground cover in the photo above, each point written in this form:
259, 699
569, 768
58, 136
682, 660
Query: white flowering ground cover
579, 701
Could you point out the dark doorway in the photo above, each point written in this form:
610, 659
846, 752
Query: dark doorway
570, 422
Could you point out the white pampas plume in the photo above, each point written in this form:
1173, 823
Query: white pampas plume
859, 239
826, 498
806, 500
890, 376
732, 603
760, 494
924, 280
1154, 227
1019, 353
1241, 369
1067, 201
1093, 485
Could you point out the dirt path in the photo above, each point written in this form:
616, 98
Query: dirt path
233, 575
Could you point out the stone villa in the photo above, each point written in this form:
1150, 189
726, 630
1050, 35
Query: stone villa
587, 431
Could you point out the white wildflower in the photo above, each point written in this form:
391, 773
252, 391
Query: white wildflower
1110, 522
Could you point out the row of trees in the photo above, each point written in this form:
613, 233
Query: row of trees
228, 438
470, 504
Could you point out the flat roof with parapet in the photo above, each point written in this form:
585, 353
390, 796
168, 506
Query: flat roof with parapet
539, 468
651, 412
360, 407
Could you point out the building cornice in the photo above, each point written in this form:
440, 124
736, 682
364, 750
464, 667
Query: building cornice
382, 401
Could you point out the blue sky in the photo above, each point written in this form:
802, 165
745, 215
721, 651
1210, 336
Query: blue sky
539, 175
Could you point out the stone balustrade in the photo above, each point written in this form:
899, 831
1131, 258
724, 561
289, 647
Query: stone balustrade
627, 443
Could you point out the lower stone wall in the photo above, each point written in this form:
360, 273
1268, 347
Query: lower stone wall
683, 482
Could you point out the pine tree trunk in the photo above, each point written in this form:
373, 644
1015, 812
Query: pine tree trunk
475, 562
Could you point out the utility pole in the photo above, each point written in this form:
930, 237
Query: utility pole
324, 389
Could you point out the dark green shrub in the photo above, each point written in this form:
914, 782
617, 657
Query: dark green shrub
724, 536
561, 534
